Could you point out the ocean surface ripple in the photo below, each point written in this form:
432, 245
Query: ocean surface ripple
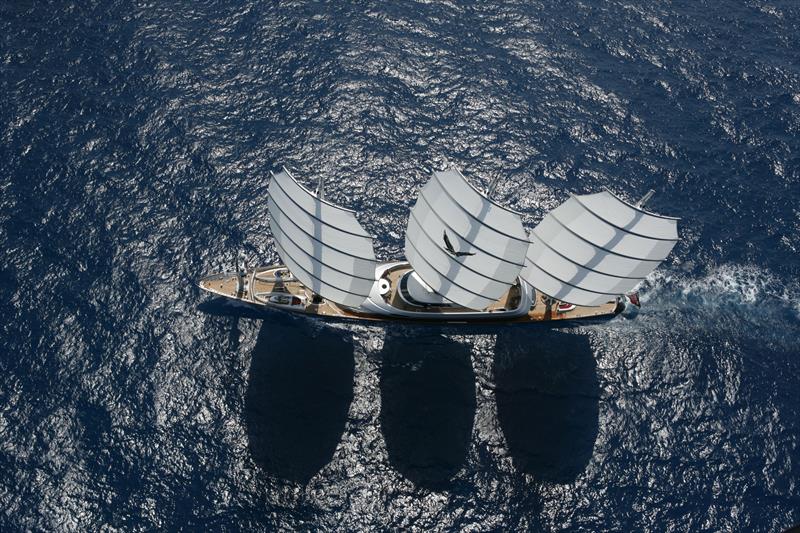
137, 137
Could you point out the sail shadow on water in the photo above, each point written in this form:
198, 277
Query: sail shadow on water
298, 396
427, 405
547, 401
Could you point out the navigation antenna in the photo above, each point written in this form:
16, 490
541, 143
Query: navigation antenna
645, 198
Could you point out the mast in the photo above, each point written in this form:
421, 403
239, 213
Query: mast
646, 198
322, 244
463, 245
321, 187
493, 186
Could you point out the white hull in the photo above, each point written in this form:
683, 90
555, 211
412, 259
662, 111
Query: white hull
260, 288
376, 304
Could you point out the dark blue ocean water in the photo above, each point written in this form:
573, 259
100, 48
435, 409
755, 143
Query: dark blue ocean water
136, 142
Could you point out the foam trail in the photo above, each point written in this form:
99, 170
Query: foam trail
745, 285
730, 299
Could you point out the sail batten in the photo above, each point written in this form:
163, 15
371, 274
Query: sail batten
553, 220
593, 248
496, 254
324, 257
299, 197
303, 268
466, 247
578, 275
323, 244
439, 282
475, 202
535, 239
622, 228
573, 216
358, 253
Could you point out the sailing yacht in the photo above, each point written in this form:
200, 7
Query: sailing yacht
468, 258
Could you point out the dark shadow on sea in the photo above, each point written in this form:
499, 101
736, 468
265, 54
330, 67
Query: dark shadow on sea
547, 401
301, 386
427, 405
298, 396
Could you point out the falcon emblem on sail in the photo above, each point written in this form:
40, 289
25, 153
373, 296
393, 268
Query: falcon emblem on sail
484, 242
448, 246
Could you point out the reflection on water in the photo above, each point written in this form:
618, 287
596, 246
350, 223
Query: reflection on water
547, 401
300, 390
427, 405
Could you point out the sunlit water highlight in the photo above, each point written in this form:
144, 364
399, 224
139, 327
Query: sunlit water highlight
136, 140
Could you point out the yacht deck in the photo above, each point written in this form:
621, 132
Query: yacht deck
257, 286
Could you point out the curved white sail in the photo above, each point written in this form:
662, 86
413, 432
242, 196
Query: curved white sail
593, 248
323, 244
465, 247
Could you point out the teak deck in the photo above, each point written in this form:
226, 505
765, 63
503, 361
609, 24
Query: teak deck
258, 285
